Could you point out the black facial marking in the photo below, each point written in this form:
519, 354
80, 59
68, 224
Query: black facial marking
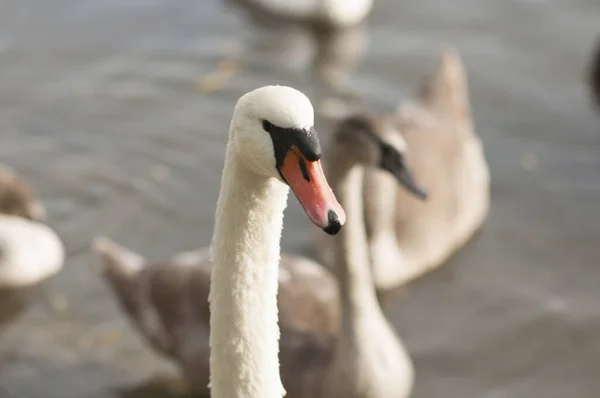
363, 125
267, 126
303, 169
307, 142
359, 124
394, 162
389, 158
333, 223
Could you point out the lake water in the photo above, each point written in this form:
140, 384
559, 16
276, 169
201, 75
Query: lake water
113, 111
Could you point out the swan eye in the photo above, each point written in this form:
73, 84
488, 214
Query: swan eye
387, 151
389, 156
267, 126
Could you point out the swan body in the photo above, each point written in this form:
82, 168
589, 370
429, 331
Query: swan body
335, 341
272, 147
29, 250
408, 237
335, 13
167, 302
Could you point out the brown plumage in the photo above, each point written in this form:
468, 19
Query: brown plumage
17, 199
407, 236
30, 251
168, 301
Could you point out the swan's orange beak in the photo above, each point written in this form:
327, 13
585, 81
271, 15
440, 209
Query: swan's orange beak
307, 180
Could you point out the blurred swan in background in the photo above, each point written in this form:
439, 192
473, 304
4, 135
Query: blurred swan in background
407, 236
29, 250
17, 199
334, 13
335, 341
331, 52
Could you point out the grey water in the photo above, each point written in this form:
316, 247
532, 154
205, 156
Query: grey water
117, 113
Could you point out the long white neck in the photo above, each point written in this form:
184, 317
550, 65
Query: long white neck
244, 333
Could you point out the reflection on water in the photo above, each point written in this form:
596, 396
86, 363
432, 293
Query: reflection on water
329, 54
11, 305
107, 109
159, 387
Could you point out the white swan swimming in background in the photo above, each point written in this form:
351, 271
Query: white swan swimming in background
335, 13
29, 250
330, 328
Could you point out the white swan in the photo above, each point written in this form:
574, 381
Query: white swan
29, 250
166, 300
335, 13
271, 140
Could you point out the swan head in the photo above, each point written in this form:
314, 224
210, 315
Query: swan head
272, 133
17, 199
377, 142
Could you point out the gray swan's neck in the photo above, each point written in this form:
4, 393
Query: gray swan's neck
352, 263
369, 359
244, 336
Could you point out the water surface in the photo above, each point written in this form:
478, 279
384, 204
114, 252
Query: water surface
105, 107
